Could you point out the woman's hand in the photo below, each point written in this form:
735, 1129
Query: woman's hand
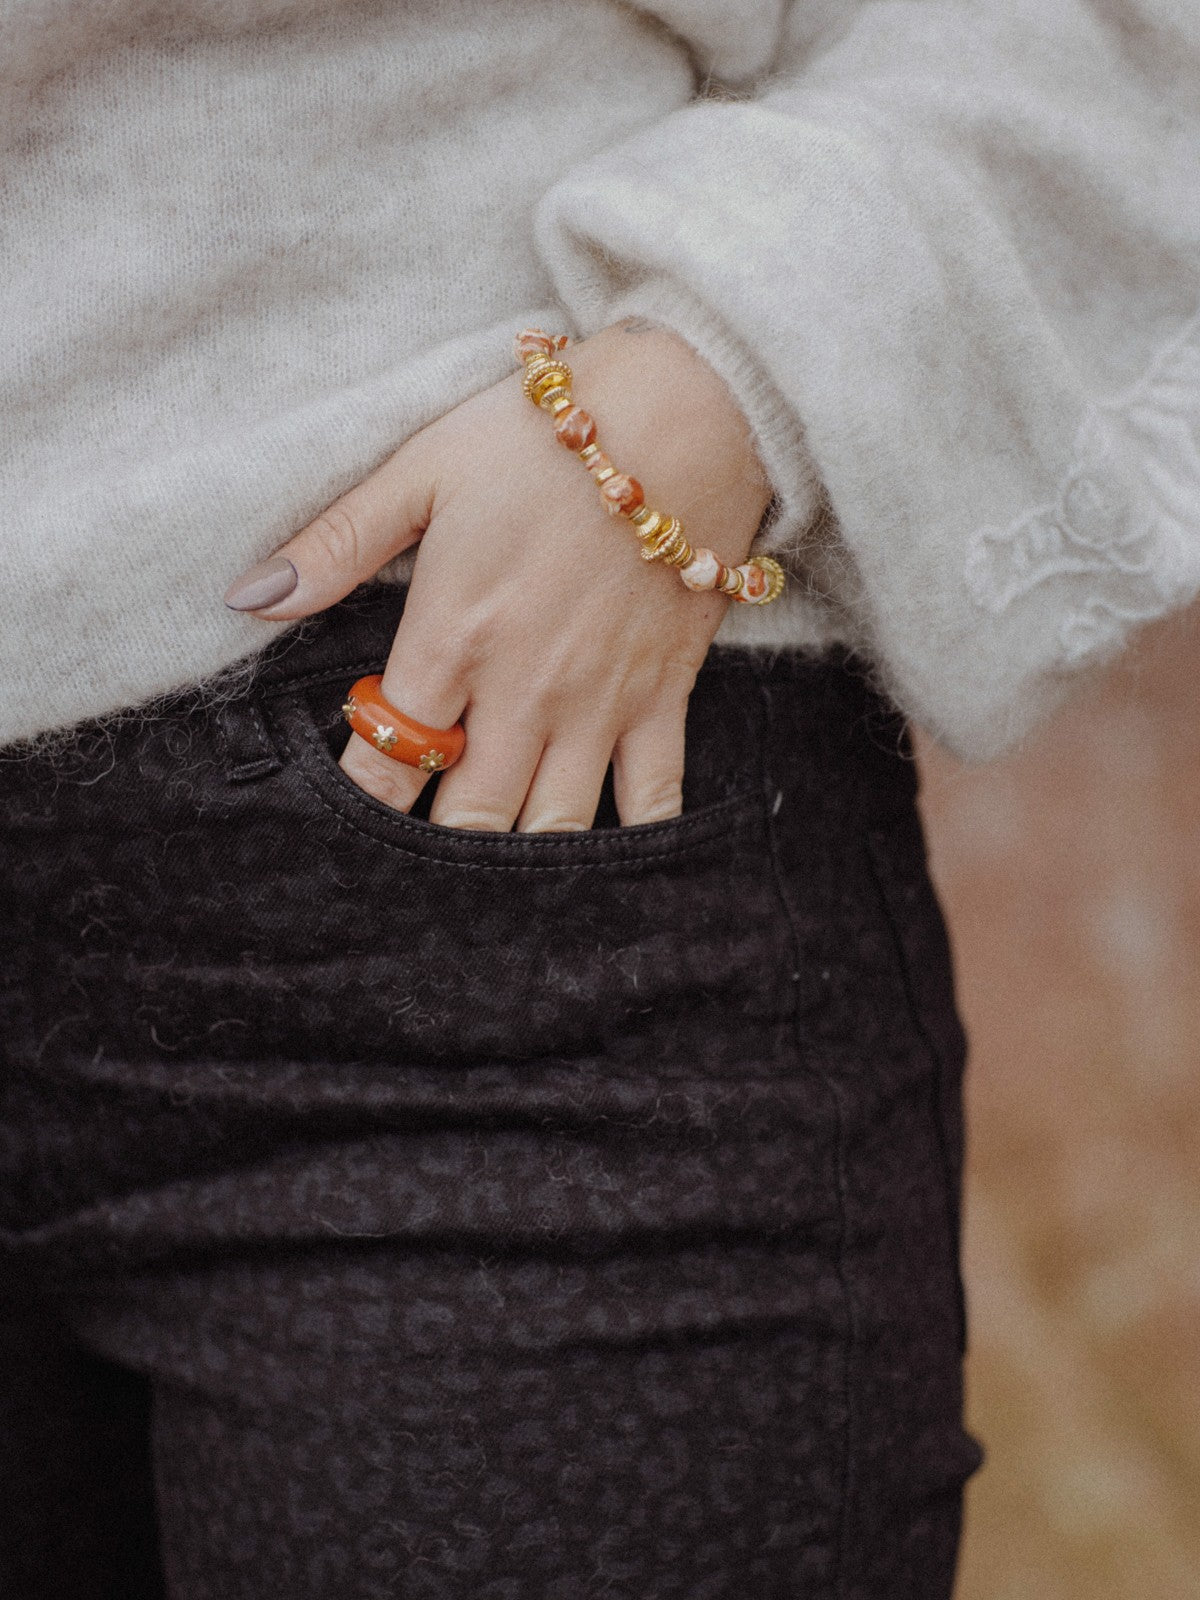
531, 614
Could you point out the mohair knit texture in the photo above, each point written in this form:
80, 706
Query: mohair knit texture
945, 252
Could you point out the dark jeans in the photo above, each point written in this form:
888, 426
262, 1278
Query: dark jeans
390, 1211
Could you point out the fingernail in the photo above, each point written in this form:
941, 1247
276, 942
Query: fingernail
263, 585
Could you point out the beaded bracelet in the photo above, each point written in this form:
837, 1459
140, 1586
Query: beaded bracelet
548, 385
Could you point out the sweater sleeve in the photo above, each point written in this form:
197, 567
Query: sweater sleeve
947, 253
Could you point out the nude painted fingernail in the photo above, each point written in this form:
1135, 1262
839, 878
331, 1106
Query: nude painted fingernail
262, 585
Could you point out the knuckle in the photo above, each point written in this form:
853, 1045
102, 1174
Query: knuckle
337, 533
451, 650
475, 632
674, 689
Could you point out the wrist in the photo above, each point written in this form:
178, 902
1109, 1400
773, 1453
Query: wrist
669, 419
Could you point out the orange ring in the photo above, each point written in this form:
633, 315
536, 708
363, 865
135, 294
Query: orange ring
415, 743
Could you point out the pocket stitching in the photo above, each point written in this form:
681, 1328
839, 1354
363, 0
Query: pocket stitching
700, 824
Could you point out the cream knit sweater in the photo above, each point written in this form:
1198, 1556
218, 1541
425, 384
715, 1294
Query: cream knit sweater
946, 252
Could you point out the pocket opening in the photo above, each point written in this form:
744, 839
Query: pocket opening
311, 745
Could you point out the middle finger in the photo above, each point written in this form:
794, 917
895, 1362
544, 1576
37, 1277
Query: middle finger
487, 785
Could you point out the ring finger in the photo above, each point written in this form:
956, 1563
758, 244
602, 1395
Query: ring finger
566, 788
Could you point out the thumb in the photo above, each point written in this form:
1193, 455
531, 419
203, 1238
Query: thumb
348, 543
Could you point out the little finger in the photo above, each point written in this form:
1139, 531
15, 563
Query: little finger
648, 768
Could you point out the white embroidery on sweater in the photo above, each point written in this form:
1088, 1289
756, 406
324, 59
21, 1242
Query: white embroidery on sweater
1126, 516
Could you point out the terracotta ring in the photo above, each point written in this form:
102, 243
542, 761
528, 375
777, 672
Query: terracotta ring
402, 738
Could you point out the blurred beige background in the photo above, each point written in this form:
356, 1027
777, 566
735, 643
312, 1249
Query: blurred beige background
1070, 875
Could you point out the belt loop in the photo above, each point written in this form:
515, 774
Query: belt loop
249, 753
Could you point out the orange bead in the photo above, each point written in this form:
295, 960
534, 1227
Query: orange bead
533, 342
576, 429
703, 571
763, 581
754, 582
622, 495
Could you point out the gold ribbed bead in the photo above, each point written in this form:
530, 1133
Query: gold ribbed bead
543, 376
549, 385
775, 573
666, 543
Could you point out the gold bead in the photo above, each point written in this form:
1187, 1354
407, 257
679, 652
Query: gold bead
733, 583
776, 574
543, 376
666, 543
547, 386
552, 378
559, 397
676, 551
642, 516
589, 453
650, 525
605, 474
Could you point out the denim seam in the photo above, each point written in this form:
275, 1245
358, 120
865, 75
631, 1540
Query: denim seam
940, 1072
242, 767
843, 1216
698, 826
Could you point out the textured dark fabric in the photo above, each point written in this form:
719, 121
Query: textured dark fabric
477, 1216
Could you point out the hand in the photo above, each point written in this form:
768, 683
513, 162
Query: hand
530, 613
